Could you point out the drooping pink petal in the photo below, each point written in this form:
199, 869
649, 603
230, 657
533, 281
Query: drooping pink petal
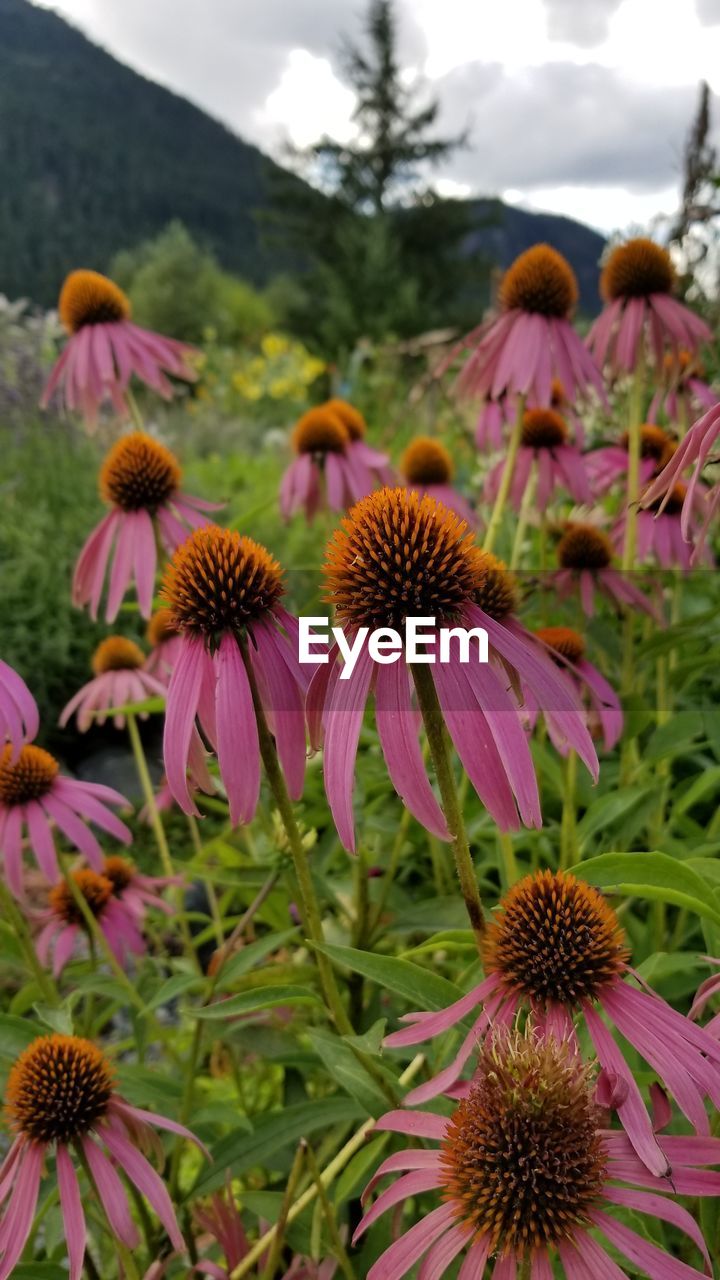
344, 717
631, 1111
182, 703
654, 1261
415, 1124
73, 828
72, 1211
396, 1261
112, 1194
238, 746
285, 704
410, 1184
147, 1181
16, 1224
401, 748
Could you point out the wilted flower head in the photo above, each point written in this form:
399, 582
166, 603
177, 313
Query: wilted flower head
556, 948
105, 349
398, 555
140, 482
120, 679
61, 1099
224, 594
34, 796
636, 284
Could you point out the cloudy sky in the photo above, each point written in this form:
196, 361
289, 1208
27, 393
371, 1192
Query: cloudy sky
578, 106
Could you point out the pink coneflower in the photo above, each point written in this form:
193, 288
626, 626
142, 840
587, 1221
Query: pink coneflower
637, 284
607, 464
120, 679
140, 480
604, 710
61, 1099
372, 468
426, 467
532, 340
660, 535
556, 947
63, 924
327, 473
684, 395
544, 448
526, 1170
19, 719
399, 555
224, 593
165, 644
696, 451
135, 891
585, 556
105, 349
33, 796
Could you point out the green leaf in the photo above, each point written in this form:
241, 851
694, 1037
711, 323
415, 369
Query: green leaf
173, 987
675, 737
343, 1065
15, 1035
147, 705
252, 1001
59, 1020
273, 1133
355, 1176
425, 990
705, 784
39, 1271
248, 957
652, 875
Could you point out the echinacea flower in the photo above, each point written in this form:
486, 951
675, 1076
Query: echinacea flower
427, 467
640, 312
604, 710
164, 643
398, 555
372, 467
63, 923
19, 720
659, 531
140, 481
525, 1170
496, 415
684, 394
585, 556
34, 796
105, 349
545, 449
556, 948
136, 891
224, 592
61, 1100
695, 451
120, 678
610, 462
532, 341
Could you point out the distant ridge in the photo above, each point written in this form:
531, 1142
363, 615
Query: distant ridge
95, 158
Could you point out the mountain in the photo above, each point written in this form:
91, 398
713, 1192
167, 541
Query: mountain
95, 158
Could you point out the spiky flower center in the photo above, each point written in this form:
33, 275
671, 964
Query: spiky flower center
543, 429
219, 580
351, 418
87, 297
540, 281
523, 1156
399, 555
29, 778
563, 640
582, 546
637, 269
654, 441
117, 653
160, 628
59, 1089
320, 431
120, 873
139, 473
555, 939
426, 461
95, 889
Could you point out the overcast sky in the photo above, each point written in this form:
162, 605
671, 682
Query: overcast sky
577, 106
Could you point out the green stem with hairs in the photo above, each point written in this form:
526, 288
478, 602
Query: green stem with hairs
133, 406
22, 933
528, 499
506, 477
435, 729
508, 862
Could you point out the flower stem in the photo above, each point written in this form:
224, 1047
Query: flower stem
506, 477
435, 729
310, 908
635, 414
22, 933
568, 828
133, 406
508, 861
528, 499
